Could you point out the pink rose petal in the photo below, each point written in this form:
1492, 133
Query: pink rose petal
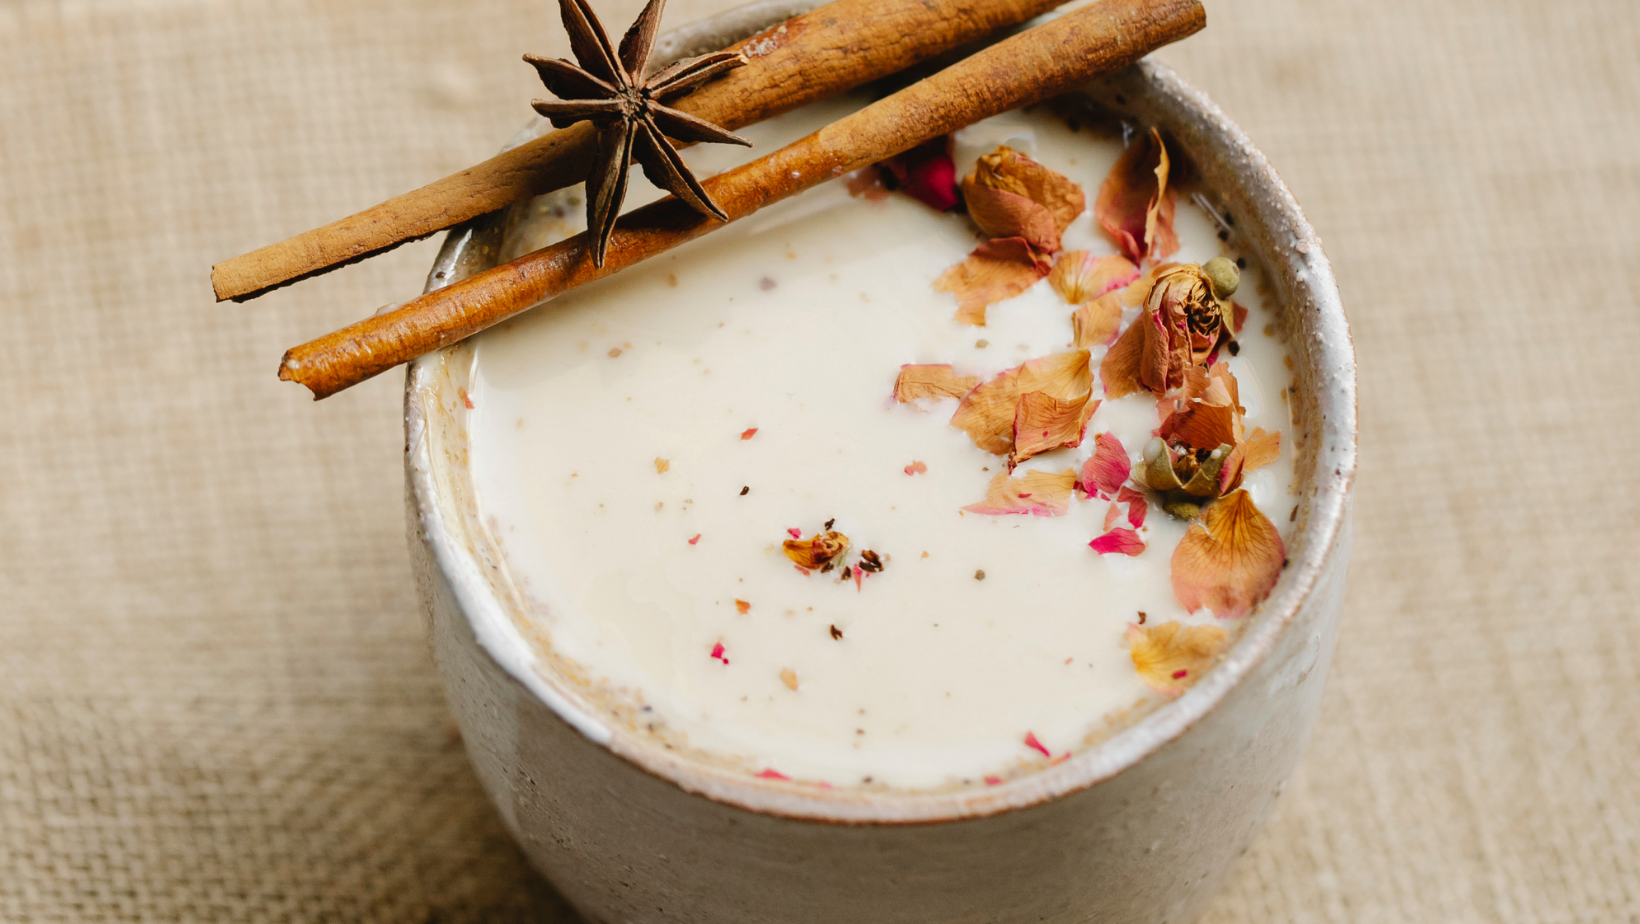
1107, 468
1124, 541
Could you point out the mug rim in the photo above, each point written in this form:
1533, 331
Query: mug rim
1299, 261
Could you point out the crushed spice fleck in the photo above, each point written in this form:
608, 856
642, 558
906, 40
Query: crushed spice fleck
821, 551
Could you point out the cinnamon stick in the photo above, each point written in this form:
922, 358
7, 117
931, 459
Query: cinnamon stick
819, 54
1027, 68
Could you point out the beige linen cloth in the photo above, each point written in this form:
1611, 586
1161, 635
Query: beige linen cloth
216, 702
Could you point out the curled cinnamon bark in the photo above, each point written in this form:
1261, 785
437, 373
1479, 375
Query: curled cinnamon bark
1046, 61
833, 49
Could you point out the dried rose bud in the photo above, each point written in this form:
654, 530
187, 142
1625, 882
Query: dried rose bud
1010, 195
1183, 325
927, 173
820, 551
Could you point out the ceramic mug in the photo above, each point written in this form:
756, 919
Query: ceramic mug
1139, 828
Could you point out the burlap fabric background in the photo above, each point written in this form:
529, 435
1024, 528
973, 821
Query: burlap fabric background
216, 702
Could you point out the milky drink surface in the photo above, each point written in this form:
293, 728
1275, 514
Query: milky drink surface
642, 447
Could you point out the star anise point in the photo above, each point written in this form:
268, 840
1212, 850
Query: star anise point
606, 86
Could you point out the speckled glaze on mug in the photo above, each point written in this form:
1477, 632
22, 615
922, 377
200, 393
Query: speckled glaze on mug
1139, 828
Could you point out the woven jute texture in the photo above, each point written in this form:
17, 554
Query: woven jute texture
216, 702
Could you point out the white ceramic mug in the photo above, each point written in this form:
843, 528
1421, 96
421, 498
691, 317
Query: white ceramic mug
1139, 828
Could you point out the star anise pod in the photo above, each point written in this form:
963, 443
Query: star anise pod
609, 89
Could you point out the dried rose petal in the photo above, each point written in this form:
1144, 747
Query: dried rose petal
772, 775
1000, 213
931, 380
1258, 450
1221, 386
1119, 370
817, 552
789, 678
662, 465
1228, 560
1234, 467
995, 270
1010, 171
1112, 514
718, 652
1096, 323
1078, 276
1137, 505
1042, 493
1262, 448
1123, 541
1202, 426
1212, 421
927, 173
1197, 379
748, 433
1043, 423
1135, 293
742, 607
1195, 385
695, 539
1170, 657
1034, 744
987, 412
1107, 468
1134, 206
916, 468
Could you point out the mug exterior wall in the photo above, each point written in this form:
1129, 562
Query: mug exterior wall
1150, 844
